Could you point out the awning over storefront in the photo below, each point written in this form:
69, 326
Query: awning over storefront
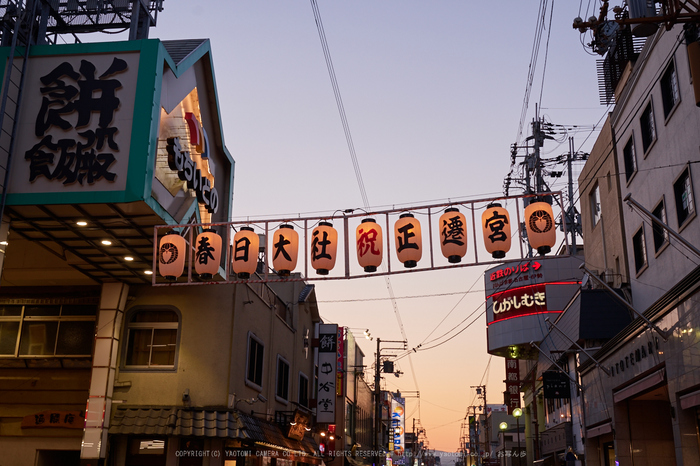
546, 461
690, 399
183, 422
648, 382
599, 430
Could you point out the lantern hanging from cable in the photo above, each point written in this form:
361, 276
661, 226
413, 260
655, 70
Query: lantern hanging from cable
453, 235
207, 255
324, 246
285, 248
541, 231
172, 249
408, 238
369, 242
246, 244
495, 224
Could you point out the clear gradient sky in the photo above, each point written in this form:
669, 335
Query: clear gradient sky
433, 91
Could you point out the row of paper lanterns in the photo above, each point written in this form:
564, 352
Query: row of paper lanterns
495, 221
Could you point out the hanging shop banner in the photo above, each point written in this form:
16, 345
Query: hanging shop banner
513, 383
398, 424
327, 373
340, 359
556, 385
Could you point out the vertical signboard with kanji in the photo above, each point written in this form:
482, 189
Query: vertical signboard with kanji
327, 370
340, 366
513, 384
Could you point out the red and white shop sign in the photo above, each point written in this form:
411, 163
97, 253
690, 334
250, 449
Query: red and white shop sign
519, 302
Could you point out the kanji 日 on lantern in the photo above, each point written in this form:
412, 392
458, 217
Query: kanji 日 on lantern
324, 245
453, 235
172, 250
285, 248
246, 244
407, 234
207, 253
495, 224
368, 238
541, 231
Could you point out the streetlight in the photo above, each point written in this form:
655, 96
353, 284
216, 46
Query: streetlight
517, 412
503, 426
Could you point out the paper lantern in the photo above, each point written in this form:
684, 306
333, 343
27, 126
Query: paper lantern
207, 253
285, 247
246, 244
453, 235
407, 234
172, 249
368, 238
495, 223
541, 230
324, 246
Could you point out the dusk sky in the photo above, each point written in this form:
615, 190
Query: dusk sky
433, 92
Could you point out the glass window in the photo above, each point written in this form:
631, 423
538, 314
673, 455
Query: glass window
640, 250
630, 159
594, 198
47, 330
647, 125
303, 390
152, 339
660, 233
683, 191
670, 94
282, 391
254, 370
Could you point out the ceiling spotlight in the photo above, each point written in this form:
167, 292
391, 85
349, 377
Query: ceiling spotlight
3, 243
128, 258
81, 223
106, 242
148, 272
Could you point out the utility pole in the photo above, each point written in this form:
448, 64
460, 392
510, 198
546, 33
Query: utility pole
378, 396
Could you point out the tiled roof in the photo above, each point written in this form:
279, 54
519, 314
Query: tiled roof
180, 49
203, 422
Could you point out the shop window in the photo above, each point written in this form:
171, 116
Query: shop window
152, 336
640, 250
660, 233
303, 398
630, 159
670, 94
282, 391
57, 330
254, 365
648, 128
683, 192
594, 199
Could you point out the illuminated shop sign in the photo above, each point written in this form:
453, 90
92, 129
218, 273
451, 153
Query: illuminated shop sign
521, 301
187, 170
522, 270
397, 424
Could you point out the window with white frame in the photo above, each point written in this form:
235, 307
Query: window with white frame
683, 192
303, 398
151, 339
282, 390
594, 198
648, 129
639, 249
660, 234
630, 159
47, 330
670, 94
254, 365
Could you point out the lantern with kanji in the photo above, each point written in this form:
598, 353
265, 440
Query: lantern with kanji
207, 253
172, 250
541, 230
285, 248
453, 235
246, 244
324, 245
495, 224
407, 234
368, 238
